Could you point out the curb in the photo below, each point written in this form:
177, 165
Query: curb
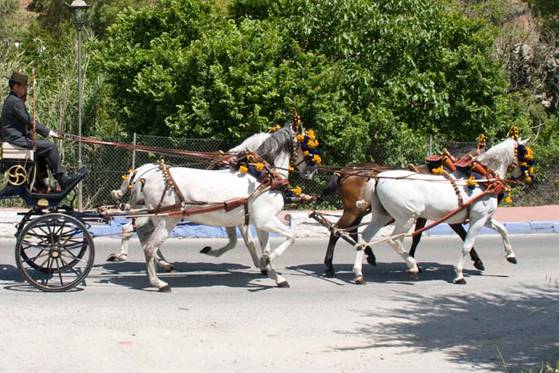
305, 227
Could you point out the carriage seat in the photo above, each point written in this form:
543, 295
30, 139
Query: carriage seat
9, 151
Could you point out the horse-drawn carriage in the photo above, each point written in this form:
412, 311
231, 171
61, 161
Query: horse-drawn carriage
54, 250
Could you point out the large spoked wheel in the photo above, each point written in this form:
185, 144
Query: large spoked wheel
55, 252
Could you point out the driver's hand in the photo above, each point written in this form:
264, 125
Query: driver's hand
54, 134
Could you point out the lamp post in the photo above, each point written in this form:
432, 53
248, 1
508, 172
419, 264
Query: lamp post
79, 16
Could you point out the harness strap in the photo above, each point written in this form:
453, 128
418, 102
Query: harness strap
494, 188
447, 176
169, 183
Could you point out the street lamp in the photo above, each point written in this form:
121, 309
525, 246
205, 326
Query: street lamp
79, 17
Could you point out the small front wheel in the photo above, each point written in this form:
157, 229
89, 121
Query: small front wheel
54, 252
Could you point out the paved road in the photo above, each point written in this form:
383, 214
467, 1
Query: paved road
223, 316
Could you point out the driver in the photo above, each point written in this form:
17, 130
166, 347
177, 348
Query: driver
16, 126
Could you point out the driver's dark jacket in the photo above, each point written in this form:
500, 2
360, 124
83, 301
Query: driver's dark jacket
16, 124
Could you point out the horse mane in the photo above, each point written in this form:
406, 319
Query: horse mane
500, 152
280, 141
251, 143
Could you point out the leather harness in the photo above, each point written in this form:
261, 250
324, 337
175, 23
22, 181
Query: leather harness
269, 181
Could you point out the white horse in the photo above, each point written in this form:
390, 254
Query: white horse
210, 186
405, 196
250, 144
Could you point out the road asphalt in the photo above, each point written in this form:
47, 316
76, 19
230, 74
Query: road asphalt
224, 316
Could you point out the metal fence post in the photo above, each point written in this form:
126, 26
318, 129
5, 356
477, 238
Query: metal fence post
430, 145
134, 151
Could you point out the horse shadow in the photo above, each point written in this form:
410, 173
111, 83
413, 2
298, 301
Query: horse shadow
508, 331
391, 272
186, 275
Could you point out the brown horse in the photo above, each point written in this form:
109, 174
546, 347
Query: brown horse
350, 183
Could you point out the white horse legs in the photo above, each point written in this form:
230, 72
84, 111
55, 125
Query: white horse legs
143, 228
232, 235
379, 219
154, 241
402, 227
494, 224
263, 231
473, 232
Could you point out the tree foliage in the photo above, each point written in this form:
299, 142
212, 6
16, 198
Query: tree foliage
374, 77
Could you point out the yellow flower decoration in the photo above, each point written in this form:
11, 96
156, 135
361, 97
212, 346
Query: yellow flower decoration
250, 157
471, 182
290, 168
243, 169
300, 138
527, 179
275, 128
312, 144
316, 159
306, 153
259, 166
438, 170
531, 170
311, 134
507, 199
529, 154
297, 190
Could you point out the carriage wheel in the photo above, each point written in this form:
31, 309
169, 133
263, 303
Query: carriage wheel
54, 252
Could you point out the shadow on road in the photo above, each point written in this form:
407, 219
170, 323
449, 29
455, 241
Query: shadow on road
506, 331
394, 272
187, 275
9, 272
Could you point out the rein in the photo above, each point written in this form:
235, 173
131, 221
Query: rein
214, 156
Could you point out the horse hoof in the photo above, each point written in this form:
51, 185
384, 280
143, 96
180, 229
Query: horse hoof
414, 274
478, 264
114, 258
372, 260
165, 289
264, 272
330, 273
111, 258
360, 280
206, 250
460, 281
512, 260
283, 285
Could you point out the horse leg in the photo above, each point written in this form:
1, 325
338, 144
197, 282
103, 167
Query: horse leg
402, 227
420, 223
370, 255
275, 225
163, 227
500, 228
348, 219
127, 233
379, 219
264, 239
251, 246
460, 231
473, 232
329, 270
232, 235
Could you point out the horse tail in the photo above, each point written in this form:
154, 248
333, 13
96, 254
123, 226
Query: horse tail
370, 198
